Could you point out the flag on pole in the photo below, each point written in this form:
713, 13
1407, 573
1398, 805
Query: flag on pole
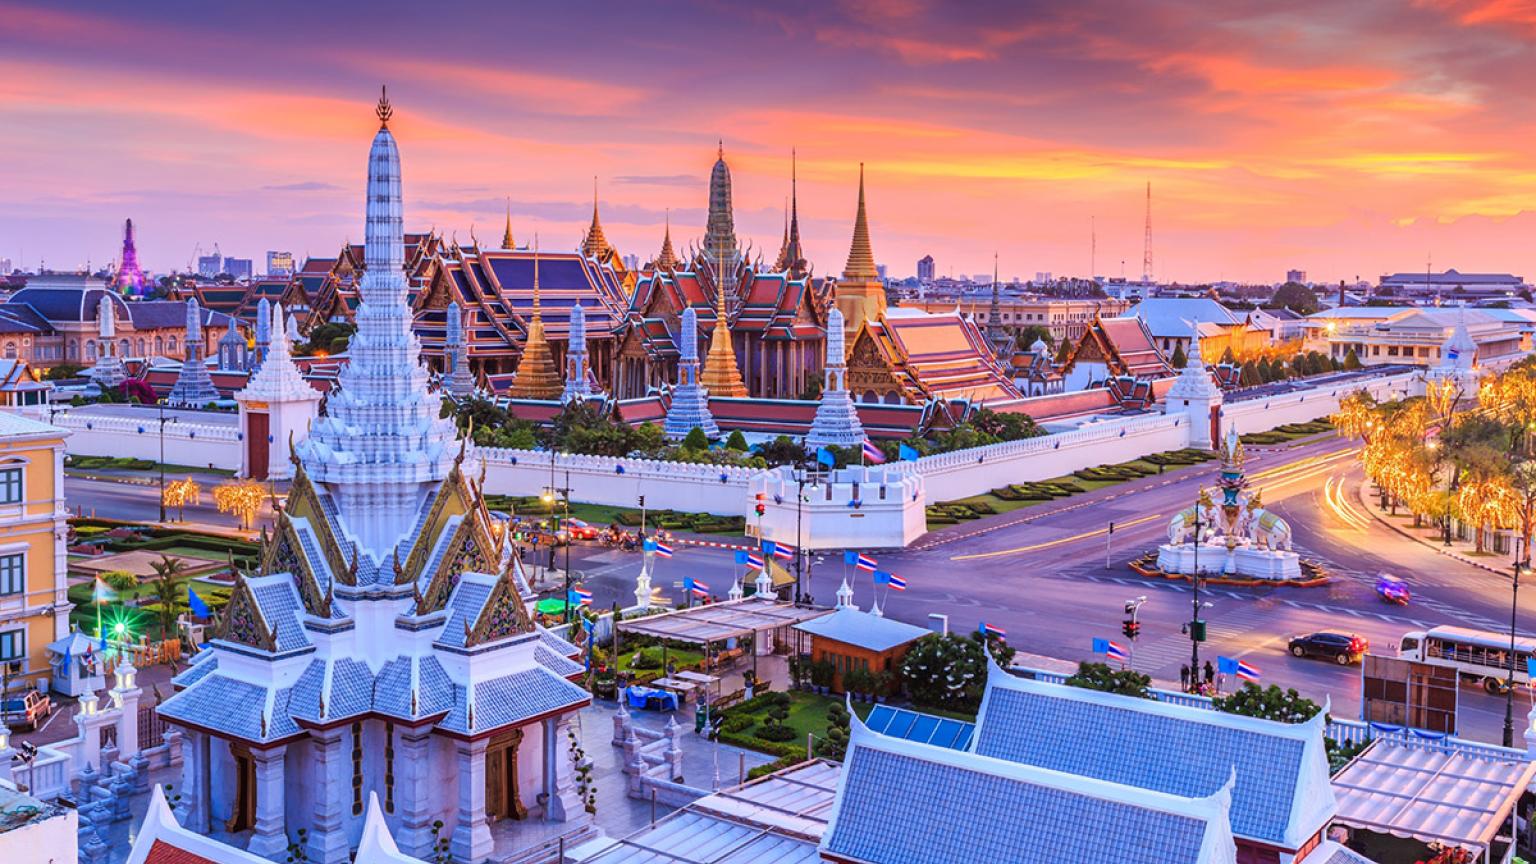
908, 453
778, 550
661, 549
1112, 650
578, 596
749, 558
873, 453
990, 631
1235, 667
196, 604
896, 582
648, 545
695, 587
882, 577
103, 593
825, 457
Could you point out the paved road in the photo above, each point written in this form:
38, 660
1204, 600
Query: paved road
1040, 574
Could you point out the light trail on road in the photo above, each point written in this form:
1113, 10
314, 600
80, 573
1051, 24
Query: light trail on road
1060, 541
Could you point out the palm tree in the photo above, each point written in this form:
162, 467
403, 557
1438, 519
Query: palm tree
168, 573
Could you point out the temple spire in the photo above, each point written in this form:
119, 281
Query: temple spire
536, 376
506, 236
860, 293
794, 256
720, 245
861, 259
721, 375
595, 245
384, 110
667, 260
997, 335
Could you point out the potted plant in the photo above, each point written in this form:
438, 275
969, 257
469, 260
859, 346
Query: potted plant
822, 673
883, 682
857, 683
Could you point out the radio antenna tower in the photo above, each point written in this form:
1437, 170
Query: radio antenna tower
1146, 253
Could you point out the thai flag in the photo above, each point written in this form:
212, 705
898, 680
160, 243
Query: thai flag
993, 631
663, 549
698, 588
1248, 672
865, 563
582, 597
751, 559
896, 582
1115, 651
778, 550
873, 453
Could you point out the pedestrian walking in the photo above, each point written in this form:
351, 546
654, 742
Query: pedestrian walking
1184, 677
1210, 673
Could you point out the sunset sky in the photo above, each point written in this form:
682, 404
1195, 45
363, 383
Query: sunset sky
1347, 139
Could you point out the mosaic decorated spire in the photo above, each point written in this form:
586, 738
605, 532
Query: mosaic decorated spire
690, 403
109, 370
130, 278
860, 293
576, 384
837, 419
506, 236
667, 260
381, 447
536, 376
861, 258
459, 382
595, 245
263, 331
193, 386
720, 243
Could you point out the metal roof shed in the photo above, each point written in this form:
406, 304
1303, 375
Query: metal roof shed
717, 622
1432, 791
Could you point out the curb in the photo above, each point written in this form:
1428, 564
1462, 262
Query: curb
1439, 549
1141, 568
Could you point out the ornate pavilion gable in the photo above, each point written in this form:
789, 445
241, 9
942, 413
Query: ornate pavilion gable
455, 497
1093, 347
503, 615
304, 501
872, 366
244, 623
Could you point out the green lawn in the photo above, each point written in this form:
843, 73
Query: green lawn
808, 714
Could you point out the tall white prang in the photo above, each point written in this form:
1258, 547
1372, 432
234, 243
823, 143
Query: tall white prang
837, 420
381, 446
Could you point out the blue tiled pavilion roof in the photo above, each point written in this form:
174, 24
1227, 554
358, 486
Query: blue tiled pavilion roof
957, 808
512, 699
1281, 796
223, 704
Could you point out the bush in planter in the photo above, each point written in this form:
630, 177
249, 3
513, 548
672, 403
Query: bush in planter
834, 745
822, 672
736, 723
858, 682
1101, 676
773, 728
120, 580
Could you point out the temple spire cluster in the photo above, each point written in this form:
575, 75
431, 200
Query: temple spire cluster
722, 377
690, 402
860, 293
193, 387
594, 244
837, 421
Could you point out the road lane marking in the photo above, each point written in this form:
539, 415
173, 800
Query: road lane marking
1097, 532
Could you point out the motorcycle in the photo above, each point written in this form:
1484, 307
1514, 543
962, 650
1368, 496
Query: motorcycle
1393, 590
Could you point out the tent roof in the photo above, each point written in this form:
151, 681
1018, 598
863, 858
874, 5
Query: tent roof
715, 622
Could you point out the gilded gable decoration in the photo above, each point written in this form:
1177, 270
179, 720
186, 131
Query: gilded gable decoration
243, 621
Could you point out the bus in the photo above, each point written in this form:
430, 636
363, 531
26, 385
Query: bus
1480, 656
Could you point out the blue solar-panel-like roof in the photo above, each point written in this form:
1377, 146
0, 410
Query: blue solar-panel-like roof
923, 728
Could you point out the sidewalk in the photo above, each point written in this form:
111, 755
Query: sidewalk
1433, 537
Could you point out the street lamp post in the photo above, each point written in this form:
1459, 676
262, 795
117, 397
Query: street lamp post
570, 538
163, 421
1195, 625
1514, 608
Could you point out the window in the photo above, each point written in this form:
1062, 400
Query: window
389, 767
10, 485
13, 645
357, 769
13, 574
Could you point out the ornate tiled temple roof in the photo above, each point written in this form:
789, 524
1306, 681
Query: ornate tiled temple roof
927, 356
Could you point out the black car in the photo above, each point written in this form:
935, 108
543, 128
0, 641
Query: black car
1341, 648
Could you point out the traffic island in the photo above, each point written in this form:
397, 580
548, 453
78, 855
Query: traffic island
1312, 574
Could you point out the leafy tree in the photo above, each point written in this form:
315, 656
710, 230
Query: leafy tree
1227, 356
834, 745
1296, 297
696, 440
1269, 703
1063, 352
782, 450
1352, 361
950, 670
1101, 676
168, 577
649, 439
1180, 359
332, 337
1249, 375
63, 371
812, 390
736, 441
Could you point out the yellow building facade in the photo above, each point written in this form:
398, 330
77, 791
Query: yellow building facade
34, 606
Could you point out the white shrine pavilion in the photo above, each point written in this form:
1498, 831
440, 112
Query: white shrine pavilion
385, 648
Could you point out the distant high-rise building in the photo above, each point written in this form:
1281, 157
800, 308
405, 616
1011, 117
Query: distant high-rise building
631, 262
5, 266
1042, 277
279, 263
240, 268
925, 268
880, 269
209, 266
1298, 276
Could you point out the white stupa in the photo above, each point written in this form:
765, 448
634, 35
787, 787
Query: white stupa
690, 401
193, 387
109, 370
277, 404
459, 383
837, 420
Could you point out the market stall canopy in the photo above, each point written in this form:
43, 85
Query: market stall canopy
716, 622
1432, 790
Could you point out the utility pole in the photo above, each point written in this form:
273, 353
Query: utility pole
1146, 252
569, 539
1107, 538
1514, 607
163, 421
1196, 626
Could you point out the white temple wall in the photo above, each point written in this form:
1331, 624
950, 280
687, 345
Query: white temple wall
597, 480
1261, 415
221, 782
1082, 374
964, 473
301, 777
192, 444
530, 767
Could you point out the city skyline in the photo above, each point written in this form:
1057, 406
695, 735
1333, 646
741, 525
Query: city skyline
1342, 143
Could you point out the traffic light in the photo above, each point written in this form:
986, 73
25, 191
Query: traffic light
1135, 629
1128, 628
642, 500
761, 508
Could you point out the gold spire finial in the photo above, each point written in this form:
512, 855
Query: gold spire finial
506, 236
536, 377
667, 260
595, 245
385, 110
720, 152
861, 260
721, 377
